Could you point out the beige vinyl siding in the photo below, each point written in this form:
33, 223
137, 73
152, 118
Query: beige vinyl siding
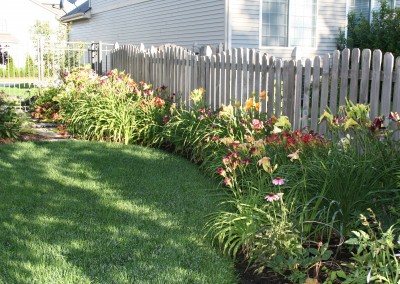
331, 17
154, 22
245, 27
245, 21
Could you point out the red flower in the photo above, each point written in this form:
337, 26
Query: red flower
290, 141
306, 138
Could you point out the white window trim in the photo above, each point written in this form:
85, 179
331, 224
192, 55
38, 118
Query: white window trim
260, 46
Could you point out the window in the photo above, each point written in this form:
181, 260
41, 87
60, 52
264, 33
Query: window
289, 23
366, 7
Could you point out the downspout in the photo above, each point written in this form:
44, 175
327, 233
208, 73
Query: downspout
346, 17
228, 27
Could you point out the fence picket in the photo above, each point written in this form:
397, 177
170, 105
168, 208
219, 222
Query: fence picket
355, 69
333, 96
396, 96
396, 87
228, 91
257, 74
300, 92
178, 71
251, 68
271, 90
187, 76
291, 91
223, 91
208, 80
239, 74
297, 96
344, 76
218, 80
324, 90
306, 95
264, 78
315, 93
375, 83
285, 89
212, 80
202, 72
365, 71
245, 75
233, 68
278, 87
388, 63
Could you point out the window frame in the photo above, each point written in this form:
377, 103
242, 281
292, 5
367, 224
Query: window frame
289, 22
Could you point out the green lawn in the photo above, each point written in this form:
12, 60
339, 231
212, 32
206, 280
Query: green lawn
23, 90
80, 212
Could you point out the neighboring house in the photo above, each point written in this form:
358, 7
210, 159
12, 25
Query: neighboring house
16, 19
275, 27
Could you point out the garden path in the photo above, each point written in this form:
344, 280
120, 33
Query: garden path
43, 131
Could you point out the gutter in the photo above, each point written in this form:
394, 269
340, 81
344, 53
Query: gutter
77, 16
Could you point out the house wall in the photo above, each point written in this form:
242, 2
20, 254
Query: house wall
154, 22
245, 28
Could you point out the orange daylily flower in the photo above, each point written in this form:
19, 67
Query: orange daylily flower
263, 95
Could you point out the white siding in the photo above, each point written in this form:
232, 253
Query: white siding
245, 21
245, 27
154, 22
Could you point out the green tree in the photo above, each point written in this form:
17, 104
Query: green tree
30, 67
383, 32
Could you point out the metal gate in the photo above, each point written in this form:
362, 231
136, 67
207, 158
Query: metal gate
27, 67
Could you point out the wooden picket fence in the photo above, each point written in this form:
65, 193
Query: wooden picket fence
299, 89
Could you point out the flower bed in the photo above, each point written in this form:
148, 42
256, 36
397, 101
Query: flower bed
295, 201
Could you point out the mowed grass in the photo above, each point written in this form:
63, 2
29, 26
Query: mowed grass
80, 212
20, 90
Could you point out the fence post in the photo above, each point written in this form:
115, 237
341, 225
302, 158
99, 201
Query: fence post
99, 58
40, 60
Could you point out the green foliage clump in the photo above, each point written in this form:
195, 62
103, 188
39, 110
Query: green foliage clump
112, 107
45, 107
383, 32
292, 197
10, 121
376, 252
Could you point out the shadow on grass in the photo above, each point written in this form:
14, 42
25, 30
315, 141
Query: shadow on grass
101, 213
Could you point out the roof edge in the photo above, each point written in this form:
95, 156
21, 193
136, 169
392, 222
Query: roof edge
77, 16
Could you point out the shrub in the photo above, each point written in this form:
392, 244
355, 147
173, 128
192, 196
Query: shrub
45, 107
382, 33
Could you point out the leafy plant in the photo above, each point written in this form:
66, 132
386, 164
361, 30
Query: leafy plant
376, 252
10, 121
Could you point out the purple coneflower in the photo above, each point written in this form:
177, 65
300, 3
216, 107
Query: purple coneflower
272, 197
278, 181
